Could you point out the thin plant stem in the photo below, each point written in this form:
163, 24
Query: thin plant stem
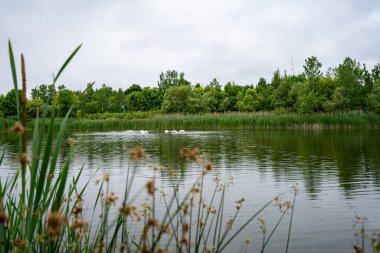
291, 221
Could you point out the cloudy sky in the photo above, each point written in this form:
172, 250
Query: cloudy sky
133, 41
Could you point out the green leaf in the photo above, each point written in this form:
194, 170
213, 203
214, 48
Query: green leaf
14, 75
55, 78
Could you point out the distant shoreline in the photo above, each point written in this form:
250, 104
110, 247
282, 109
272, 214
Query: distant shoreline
223, 121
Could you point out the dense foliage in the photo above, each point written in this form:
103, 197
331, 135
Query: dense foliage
348, 87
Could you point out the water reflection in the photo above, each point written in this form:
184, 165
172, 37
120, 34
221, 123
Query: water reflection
339, 173
315, 157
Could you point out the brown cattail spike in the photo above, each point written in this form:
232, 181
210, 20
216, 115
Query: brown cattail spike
23, 108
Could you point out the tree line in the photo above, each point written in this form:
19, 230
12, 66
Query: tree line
347, 87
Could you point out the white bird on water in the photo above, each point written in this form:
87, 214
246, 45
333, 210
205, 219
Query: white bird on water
167, 131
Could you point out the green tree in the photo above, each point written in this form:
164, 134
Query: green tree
276, 79
64, 100
133, 88
225, 104
338, 102
374, 98
281, 95
170, 79
153, 98
250, 101
231, 90
8, 104
118, 101
375, 73
136, 101
102, 96
349, 76
175, 99
87, 104
44, 92
312, 71
34, 106
197, 103
216, 95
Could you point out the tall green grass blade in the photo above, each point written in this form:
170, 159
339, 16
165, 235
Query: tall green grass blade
45, 163
57, 148
62, 184
66, 63
14, 76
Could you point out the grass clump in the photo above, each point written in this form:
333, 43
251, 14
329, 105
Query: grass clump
230, 121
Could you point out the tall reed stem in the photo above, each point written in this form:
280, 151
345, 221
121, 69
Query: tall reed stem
23, 122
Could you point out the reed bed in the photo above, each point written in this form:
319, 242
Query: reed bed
231, 121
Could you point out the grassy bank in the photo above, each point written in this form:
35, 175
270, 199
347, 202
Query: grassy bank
231, 121
220, 122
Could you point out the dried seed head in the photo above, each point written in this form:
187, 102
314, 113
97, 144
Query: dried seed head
24, 159
239, 203
17, 128
106, 178
185, 227
208, 166
150, 187
357, 249
78, 209
229, 224
3, 217
112, 198
185, 209
81, 224
195, 190
20, 244
185, 241
137, 154
55, 221
159, 250
71, 142
191, 154
152, 223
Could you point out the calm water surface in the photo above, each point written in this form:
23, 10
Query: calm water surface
338, 173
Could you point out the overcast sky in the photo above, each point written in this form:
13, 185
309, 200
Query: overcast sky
133, 41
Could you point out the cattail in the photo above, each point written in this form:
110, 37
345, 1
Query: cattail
23, 111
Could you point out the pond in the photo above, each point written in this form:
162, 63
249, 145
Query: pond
337, 173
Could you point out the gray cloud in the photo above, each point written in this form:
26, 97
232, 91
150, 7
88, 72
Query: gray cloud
133, 41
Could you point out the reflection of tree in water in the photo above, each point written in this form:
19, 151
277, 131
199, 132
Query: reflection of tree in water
350, 157
318, 156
